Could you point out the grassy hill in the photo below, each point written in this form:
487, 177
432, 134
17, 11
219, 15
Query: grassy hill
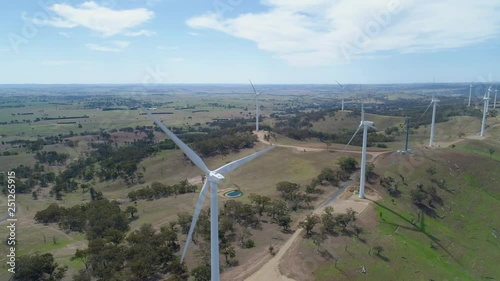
341, 122
456, 240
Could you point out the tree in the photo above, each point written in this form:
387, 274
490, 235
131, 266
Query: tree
184, 220
131, 210
201, 273
277, 208
83, 256
328, 221
328, 175
491, 151
431, 171
351, 214
357, 230
377, 250
287, 188
370, 167
347, 164
261, 201
309, 223
82, 275
343, 220
417, 196
296, 199
318, 239
284, 221
229, 253
38, 267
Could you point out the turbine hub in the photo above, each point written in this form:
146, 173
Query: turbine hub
367, 123
215, 177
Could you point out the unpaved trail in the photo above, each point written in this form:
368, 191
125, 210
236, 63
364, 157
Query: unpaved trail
271, 270
373, 154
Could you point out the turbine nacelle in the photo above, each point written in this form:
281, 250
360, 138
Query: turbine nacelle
215, 177
367, 123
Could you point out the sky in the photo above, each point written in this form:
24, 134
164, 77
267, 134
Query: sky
230, 41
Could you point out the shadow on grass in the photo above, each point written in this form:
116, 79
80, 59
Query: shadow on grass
417, 228
384, 258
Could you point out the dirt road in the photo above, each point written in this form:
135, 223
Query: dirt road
272, 270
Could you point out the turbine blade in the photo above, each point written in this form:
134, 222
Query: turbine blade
240, 162
362, 112
426, 110
253, 87
197, 210
339, 84
186, 149
355, 133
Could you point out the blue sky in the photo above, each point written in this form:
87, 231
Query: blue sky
229, 41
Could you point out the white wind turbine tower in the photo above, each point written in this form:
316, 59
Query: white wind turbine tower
434, 102
495, 100
486, 100
365, 125
212, 179
470, 94
257, 107
341, 90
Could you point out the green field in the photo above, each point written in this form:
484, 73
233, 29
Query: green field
459, 244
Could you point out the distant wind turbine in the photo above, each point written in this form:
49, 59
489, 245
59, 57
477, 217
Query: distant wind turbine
470, 94
365, 125
212, 179
257, 107
495, 100
407, 142
434, 105
341, 90
486, 100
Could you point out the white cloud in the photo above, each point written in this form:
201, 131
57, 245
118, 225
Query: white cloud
113, 46
103, 20
317, 32
143, 32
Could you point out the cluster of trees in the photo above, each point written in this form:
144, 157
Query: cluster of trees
51, 157
38, 267
28, 178
299, 127
99, 218
236, 220
223, 141
391, 185
145, 254
160, 190
331, 224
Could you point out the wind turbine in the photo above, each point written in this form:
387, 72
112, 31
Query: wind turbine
495, 100
486, 100
212, 179
470, 94
407, 142
434, 102
257, 109
342, 89
365, 125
